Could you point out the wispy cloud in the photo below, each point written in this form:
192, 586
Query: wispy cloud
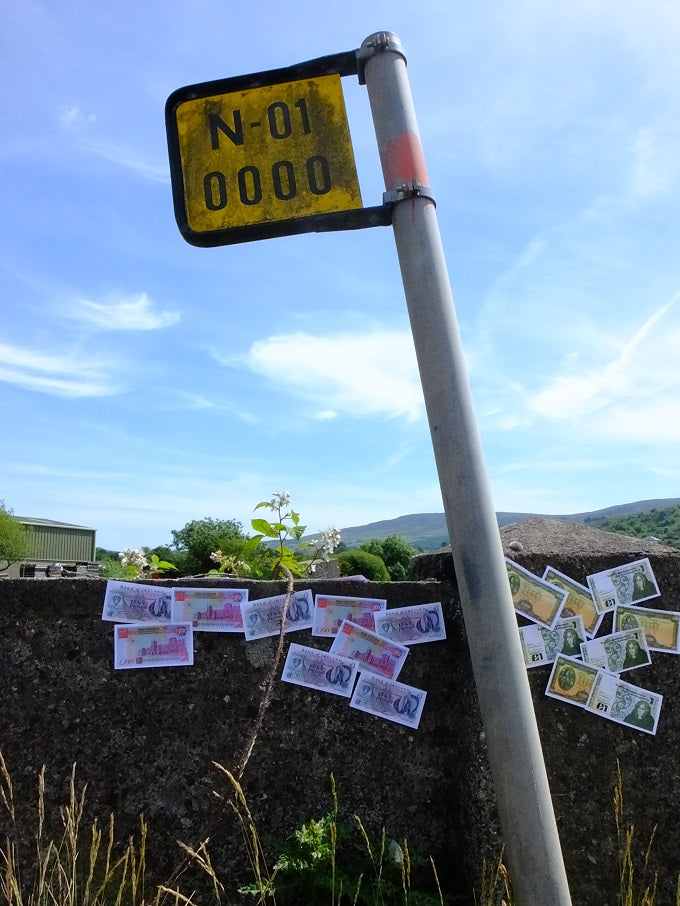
78, 124
122, 313
634, 396
353, 374
62, 374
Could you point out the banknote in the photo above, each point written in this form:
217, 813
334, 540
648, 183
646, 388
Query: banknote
541, 646
153, 645
617, 652
320, 670
626, 584
579, 600
411, 625
661, 627
533, 597
331, 610
629, 705
386, 698
376, 654
571, 680
132, 602
209, 609
263, 617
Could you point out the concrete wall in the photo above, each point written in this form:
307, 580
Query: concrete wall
145, 740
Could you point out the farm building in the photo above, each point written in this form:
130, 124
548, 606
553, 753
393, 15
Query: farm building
55, 544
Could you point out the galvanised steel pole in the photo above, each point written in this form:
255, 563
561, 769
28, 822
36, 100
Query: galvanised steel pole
528, 821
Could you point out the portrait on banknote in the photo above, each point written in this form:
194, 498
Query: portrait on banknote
320, 670
262, 618
624, 703
661, 628
624, 584
133, 602
541, 646
388, 699
579, 601
411, 625
532, 597
571, 680
618, 651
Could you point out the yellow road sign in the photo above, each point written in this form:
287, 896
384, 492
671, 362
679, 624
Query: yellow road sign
262, 154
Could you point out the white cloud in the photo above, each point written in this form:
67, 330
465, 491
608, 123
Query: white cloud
130, 159
78, 123
360, 374
634, 396
62, 374
123, 313
72, 117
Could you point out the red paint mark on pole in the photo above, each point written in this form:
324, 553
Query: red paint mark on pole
403, 160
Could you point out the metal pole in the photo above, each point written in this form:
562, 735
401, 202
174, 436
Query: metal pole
523, 795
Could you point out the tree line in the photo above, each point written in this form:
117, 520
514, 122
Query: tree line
192, 548
663, 524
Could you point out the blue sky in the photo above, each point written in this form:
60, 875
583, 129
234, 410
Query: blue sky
145, 382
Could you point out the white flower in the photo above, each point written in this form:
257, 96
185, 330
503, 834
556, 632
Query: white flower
330, 540
133, 557
280, 501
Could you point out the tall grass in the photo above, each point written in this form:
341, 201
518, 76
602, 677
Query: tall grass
78, 868
637, 886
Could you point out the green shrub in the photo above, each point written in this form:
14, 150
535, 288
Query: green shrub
360, 562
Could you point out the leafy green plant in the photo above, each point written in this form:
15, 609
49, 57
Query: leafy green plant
137, 562
321, 863
361, 562
285, 527
15, 539
395, 552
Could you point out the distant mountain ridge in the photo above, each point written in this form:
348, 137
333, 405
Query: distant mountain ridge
428, 530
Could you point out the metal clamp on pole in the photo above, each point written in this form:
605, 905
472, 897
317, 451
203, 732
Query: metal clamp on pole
377, 43
409, 190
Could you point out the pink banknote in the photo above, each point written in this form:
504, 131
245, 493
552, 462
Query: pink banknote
375, 654
153, 645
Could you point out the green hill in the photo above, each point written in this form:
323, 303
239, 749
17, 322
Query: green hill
663, 524
428, 530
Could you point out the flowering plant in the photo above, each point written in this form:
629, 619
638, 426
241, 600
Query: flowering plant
286, 525
138, 562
